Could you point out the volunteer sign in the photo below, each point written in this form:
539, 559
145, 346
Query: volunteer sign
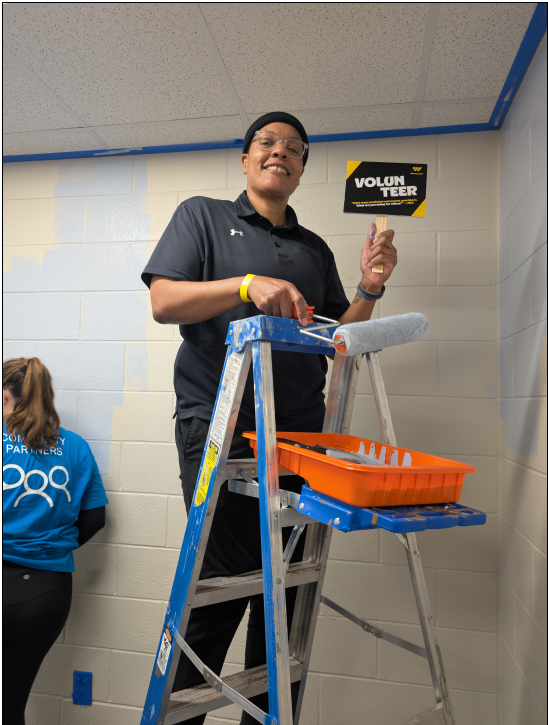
379, 188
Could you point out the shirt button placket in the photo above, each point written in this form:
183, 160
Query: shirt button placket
275, 241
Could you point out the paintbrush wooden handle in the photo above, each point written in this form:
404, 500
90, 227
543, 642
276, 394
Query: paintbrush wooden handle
382, 226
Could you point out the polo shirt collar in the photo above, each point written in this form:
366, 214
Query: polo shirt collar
244, 208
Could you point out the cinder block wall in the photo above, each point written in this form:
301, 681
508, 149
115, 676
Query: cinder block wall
78, 234
522, 357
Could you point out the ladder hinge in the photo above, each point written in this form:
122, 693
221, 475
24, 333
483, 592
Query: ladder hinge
371, 629
213, 680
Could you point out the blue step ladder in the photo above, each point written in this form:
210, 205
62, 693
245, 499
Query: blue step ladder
287, 658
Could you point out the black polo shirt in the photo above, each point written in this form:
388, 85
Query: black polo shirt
210, 239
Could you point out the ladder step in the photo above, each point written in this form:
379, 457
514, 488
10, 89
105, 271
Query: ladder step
225, 589
198, 700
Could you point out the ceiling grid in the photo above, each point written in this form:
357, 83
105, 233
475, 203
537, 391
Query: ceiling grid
433, 11
94, 78
202, 25
51, 95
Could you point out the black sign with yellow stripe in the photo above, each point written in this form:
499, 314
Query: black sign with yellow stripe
378, 188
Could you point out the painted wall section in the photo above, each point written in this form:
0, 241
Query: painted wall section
522, 363
77, 237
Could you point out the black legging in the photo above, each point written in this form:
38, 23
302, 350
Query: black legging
30, 627
35, 607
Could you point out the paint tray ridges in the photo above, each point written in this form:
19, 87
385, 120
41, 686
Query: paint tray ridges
407, 477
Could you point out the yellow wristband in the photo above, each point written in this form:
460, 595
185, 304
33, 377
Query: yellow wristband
243, 287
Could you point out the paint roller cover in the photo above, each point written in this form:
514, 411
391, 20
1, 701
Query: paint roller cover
373, 335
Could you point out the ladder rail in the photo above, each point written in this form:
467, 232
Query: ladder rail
307, 604
277, 648
221, 430
435, 662
437, 670
342, 393
338, 415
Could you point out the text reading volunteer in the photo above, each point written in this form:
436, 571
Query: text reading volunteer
53, 502
220, 261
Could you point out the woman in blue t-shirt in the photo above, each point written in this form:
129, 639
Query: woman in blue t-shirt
53, 502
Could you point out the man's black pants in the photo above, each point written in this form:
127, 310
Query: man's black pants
234, 547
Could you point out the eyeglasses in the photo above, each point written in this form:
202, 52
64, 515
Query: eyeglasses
268, 140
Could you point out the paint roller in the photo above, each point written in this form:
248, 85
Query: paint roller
357, 338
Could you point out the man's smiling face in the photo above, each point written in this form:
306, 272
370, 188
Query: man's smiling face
273, 171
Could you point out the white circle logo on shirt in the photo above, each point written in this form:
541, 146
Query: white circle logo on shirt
62, 486
19, 482
24, 479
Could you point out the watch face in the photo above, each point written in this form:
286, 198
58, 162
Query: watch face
367, 295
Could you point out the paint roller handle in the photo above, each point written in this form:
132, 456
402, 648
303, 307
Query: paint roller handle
382, 226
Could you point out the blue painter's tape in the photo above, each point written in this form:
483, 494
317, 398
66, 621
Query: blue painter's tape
82, 684
393, 133
238, 143
524, 56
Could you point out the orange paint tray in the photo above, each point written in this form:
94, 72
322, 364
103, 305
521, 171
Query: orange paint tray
427, 480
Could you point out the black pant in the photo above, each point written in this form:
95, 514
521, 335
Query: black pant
36, 607
234, 547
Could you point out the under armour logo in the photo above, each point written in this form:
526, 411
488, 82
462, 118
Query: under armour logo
235, 231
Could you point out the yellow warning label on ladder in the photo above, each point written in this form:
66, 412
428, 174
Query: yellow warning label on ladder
207, 471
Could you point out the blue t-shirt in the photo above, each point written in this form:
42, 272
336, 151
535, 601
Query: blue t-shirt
43, 493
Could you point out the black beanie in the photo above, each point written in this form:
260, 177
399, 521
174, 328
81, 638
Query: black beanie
275, 117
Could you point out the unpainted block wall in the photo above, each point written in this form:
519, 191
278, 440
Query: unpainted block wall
77, 236
522, 358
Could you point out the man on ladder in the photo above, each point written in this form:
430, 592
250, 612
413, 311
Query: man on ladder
220, 261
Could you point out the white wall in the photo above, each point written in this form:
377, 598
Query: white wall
522, 351
78, 234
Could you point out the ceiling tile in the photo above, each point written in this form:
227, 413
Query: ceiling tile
26, 107
318, 55
456, 114
48, 142
116, 63
353, 121
141, 74
474, 47
195, 130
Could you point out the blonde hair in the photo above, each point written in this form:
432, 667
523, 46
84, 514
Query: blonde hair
34, 416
